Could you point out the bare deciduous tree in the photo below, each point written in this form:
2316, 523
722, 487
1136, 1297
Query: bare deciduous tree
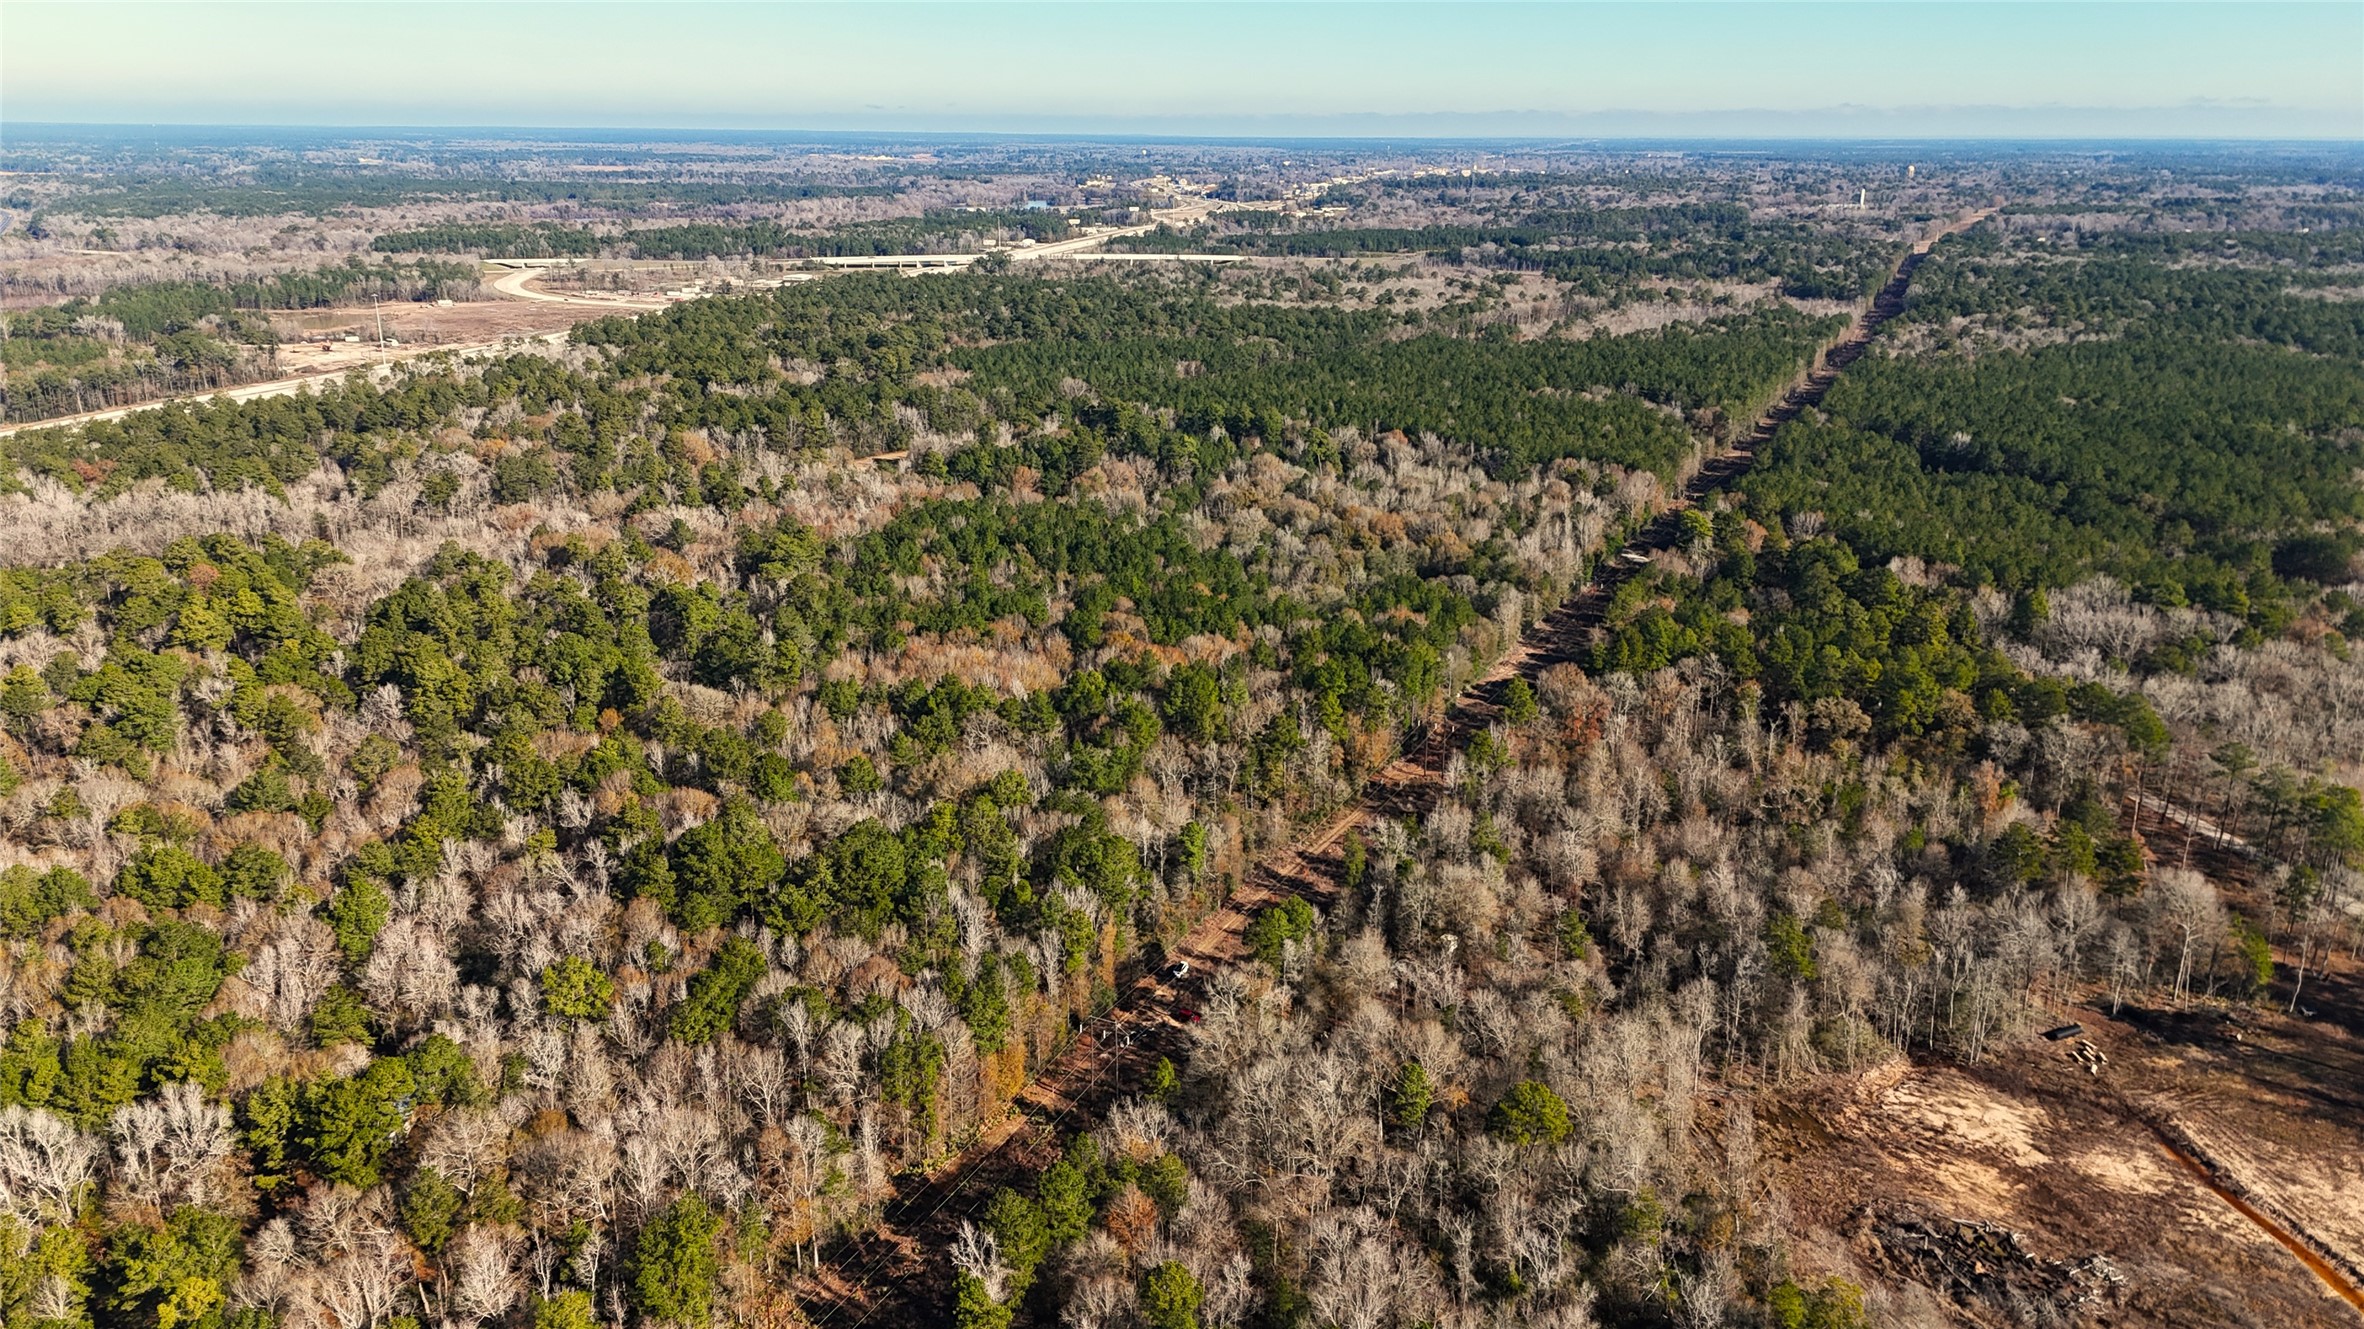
44, 1164
169, 1149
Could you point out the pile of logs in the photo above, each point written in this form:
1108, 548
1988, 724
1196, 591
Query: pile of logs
2093, 1058
1986, 1268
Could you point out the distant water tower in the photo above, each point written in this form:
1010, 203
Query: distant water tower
1909, 168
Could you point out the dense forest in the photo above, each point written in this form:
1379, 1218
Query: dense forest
492, 240
854, 798
565, 840
1844, 779
2102, 414
1201, 364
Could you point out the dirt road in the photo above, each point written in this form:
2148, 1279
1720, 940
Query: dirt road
517, 284
289, 385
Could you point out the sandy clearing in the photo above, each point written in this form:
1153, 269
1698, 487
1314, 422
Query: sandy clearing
2071, 1161
1945, 1106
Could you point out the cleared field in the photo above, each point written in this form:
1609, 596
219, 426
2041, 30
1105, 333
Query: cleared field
2110, 1222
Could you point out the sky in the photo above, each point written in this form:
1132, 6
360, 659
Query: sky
1465, 68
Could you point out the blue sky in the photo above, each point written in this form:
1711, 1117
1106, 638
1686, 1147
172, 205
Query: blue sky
1900, 68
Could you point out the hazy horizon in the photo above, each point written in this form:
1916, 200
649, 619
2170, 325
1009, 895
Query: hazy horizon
1773, 70
206, 133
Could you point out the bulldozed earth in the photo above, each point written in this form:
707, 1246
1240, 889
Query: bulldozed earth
2201, 1166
